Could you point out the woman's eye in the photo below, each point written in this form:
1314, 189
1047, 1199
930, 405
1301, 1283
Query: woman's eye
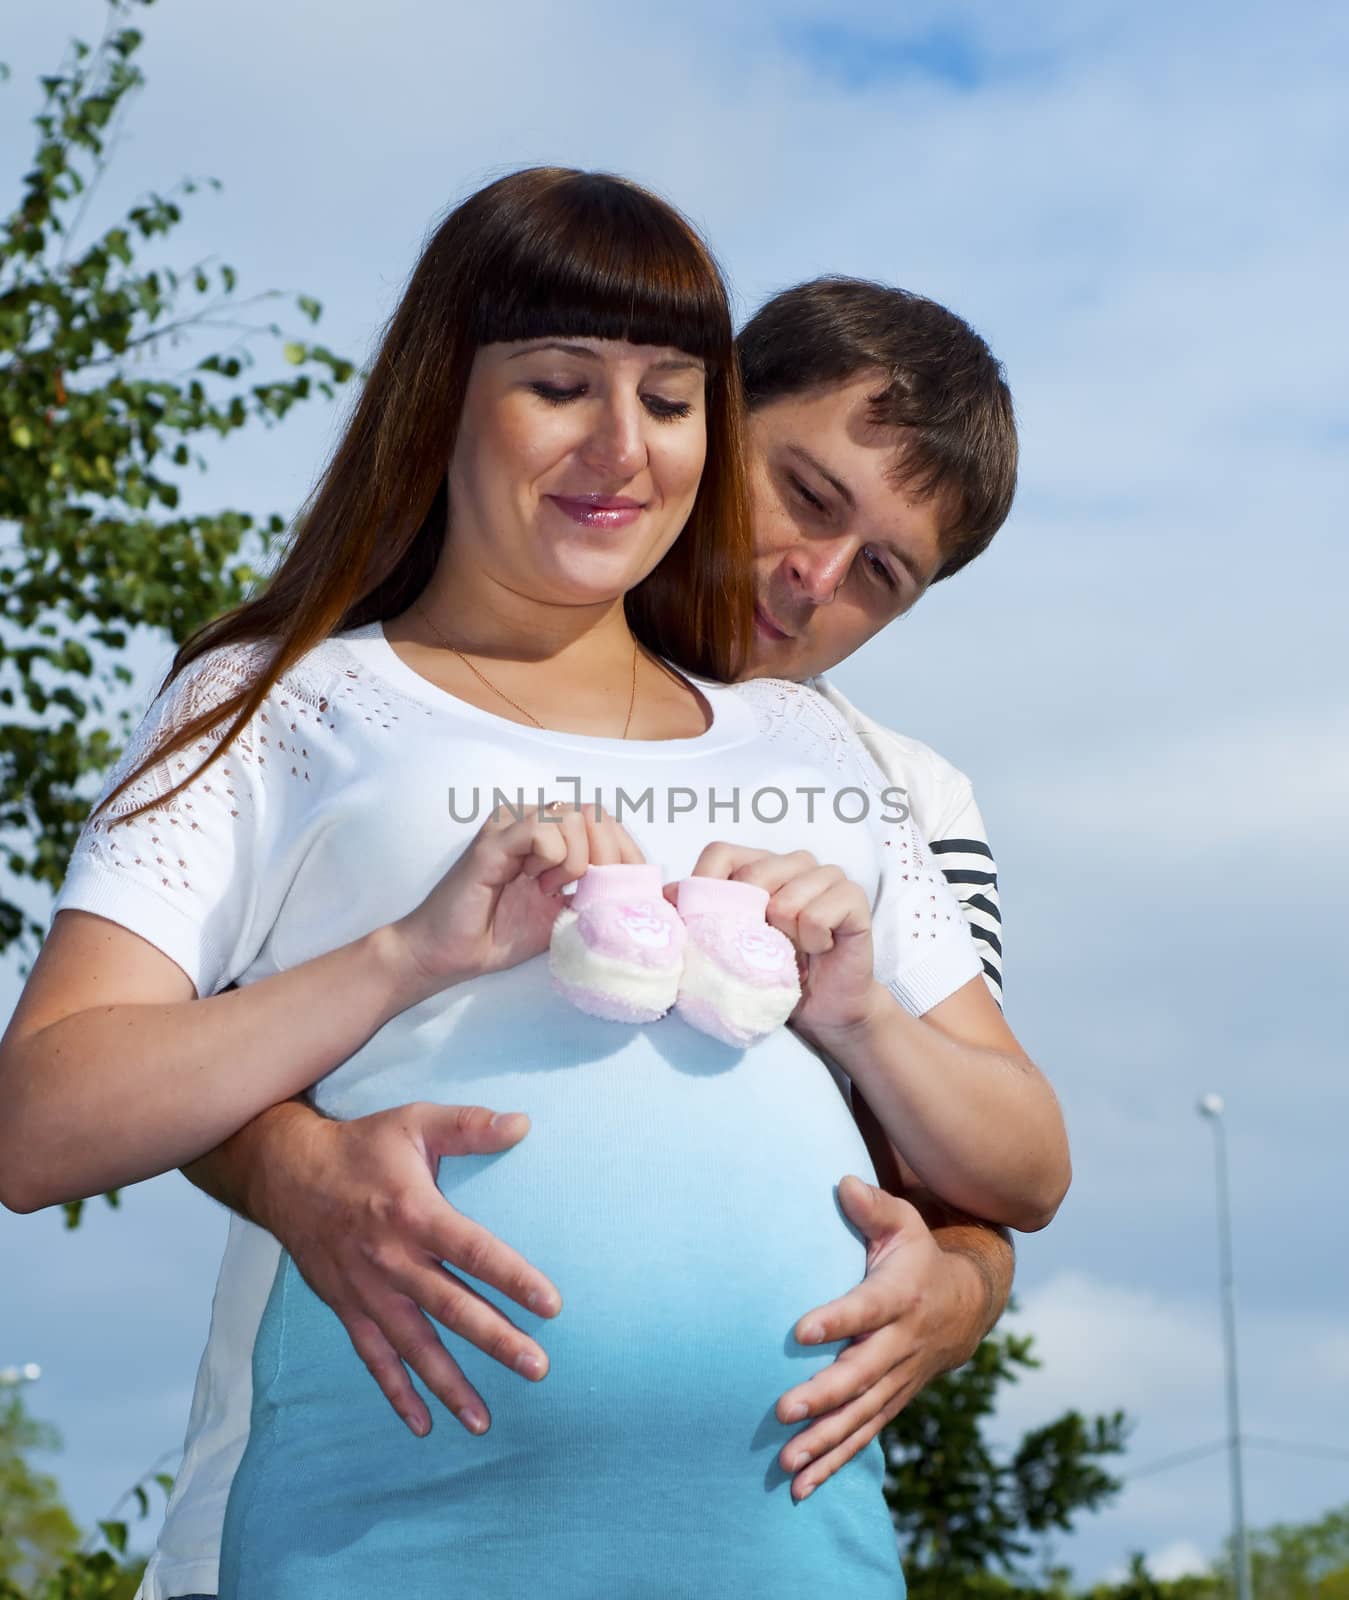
557, 394
880, 569
667, 410
812, 500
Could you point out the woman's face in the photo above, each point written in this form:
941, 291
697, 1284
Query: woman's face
576, 466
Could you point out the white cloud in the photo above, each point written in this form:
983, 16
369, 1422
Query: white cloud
1180, 1559
1108, 1346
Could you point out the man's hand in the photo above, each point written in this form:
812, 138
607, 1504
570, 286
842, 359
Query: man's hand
920, 1311
356, 1205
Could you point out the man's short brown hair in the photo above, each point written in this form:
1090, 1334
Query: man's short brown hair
943, 387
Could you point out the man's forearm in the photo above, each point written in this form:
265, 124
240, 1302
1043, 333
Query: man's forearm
234, 1172
983, 1247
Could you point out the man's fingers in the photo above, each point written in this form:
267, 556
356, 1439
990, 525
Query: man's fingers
416, 1343
381, 1359
811, 1476
857, 1369
865, 1309
450, 1236
463, 1311
876, 1212
464, 1130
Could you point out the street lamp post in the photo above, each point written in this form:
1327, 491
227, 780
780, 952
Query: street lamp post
1211, 1109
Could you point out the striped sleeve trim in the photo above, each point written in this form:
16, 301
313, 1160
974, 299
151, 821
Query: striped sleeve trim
969, 868
968, 847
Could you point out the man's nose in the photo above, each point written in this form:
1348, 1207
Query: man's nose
617, 443
818, 569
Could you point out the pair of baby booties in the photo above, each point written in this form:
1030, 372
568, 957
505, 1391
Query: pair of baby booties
621, 951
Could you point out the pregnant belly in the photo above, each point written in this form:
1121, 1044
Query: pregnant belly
681, 1195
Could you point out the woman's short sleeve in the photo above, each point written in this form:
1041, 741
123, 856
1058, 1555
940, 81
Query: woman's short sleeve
183, 875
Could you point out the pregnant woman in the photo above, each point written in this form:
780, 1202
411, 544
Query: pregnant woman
526, 571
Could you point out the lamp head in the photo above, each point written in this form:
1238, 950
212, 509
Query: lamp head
1211, 1105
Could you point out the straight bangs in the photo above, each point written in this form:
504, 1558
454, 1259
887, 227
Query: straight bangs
595, 257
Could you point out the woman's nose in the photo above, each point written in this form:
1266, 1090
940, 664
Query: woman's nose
818, 569
617, 443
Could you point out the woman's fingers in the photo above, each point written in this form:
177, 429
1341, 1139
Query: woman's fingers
809, 902
567, 824
745, 864
589, 839
852, 1430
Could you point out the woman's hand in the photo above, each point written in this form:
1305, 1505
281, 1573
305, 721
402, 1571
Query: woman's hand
496, 905
825, 915
919, 1312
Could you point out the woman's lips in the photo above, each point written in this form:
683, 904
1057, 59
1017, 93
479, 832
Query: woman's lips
599, 510
767, 626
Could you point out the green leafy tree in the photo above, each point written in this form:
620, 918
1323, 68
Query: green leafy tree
966, 1513
1141, 1585
100, 425
36, 1530
43, 1555
1300, 1560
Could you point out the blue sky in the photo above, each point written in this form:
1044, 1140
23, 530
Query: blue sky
1143, 207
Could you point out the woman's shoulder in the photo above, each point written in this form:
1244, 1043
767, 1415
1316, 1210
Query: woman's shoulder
787, 711
332, 684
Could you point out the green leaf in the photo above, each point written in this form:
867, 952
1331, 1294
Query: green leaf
115, 1534
292, 352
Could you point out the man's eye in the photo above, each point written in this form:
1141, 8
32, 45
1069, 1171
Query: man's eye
556, 394
812, 500
880, 569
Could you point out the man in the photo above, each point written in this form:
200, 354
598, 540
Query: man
883, 459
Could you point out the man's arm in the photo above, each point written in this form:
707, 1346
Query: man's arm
234, 1172
937, 1280
984, 1247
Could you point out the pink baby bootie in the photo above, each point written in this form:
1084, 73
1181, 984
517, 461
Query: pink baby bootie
740, 977
617, 950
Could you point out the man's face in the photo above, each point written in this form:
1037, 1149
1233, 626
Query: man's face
840, 548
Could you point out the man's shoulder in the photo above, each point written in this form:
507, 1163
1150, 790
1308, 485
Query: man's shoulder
908, 762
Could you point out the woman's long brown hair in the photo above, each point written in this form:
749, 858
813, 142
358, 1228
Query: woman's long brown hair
543, 252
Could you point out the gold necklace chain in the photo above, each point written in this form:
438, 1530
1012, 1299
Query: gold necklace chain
632, 698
